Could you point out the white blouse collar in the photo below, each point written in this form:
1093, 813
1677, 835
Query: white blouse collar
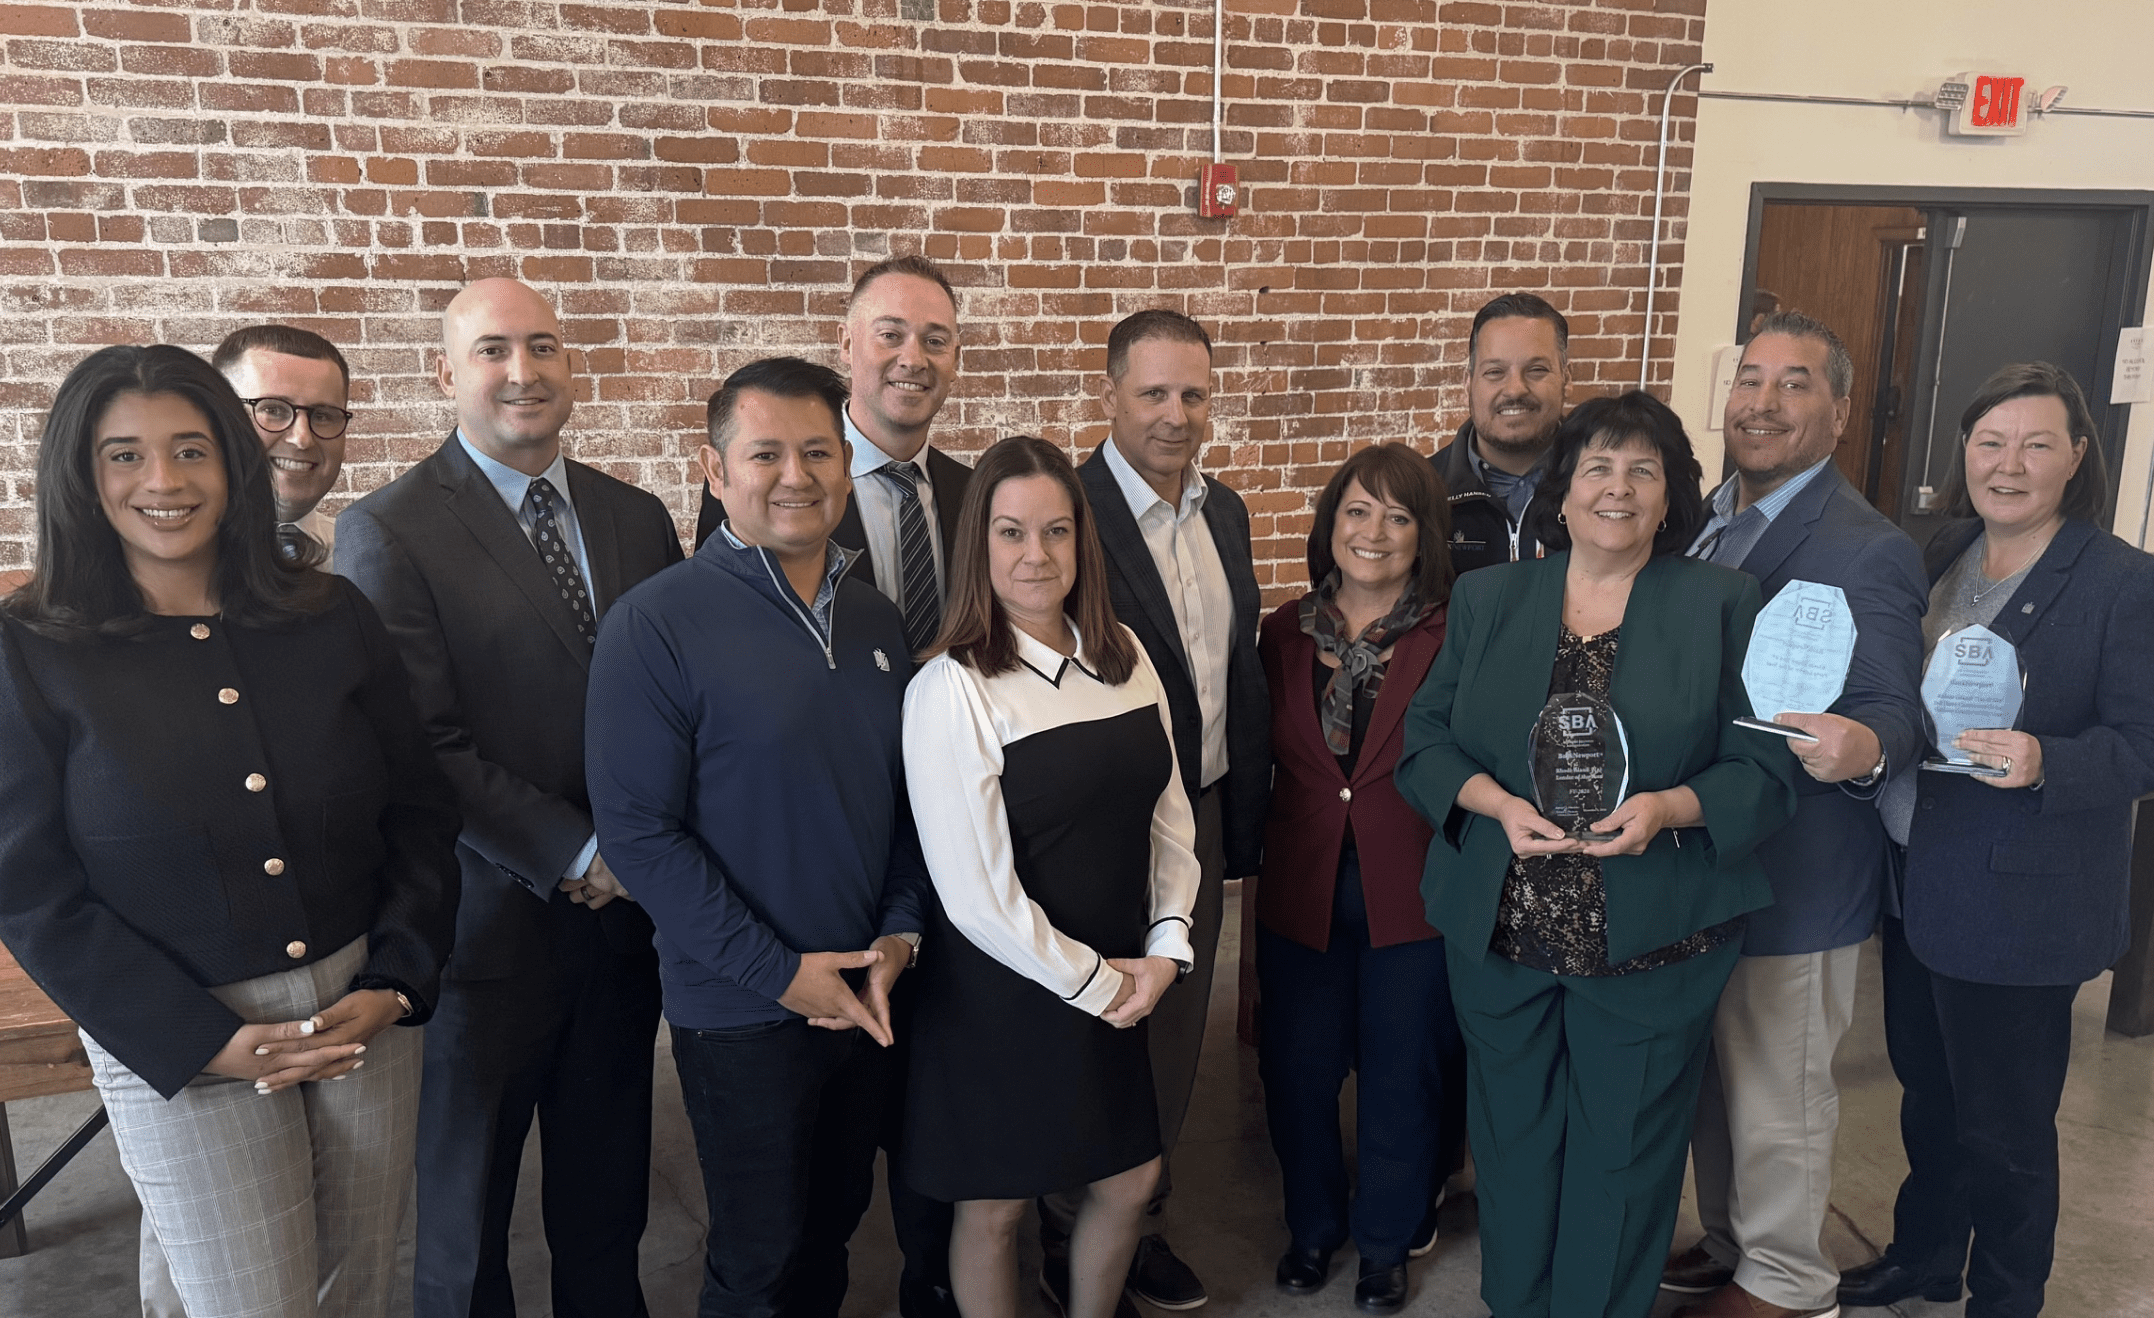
1049, 663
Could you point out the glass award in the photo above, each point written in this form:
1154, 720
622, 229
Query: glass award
1973, 681
1580, 760
1800, 649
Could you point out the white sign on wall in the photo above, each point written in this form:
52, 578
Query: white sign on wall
1726, 360
2130, 382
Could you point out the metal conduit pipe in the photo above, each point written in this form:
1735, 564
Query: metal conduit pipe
1660, 193
1219, 68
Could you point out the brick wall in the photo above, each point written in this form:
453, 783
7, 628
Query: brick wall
696, 183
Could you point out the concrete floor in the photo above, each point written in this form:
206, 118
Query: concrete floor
1225, 1217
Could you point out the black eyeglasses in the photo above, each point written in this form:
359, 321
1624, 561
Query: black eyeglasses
276, 415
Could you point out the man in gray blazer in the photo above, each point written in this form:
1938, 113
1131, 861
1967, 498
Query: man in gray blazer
492, 562
1762, 1148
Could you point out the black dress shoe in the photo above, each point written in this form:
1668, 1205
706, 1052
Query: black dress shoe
1694, 1272
1055, 1289
1303, 1271
1381, 1289
1877, 1284
1162, 1280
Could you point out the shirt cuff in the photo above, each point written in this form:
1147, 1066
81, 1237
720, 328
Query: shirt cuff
1100, 991
1169, 937
581, 866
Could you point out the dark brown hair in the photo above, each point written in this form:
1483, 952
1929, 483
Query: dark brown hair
1157, 323
83, 586
1612, 423
278, 338
919, 267
1396, 474
2087, 492
974, 629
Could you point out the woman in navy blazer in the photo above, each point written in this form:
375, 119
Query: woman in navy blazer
226, 850
2016, 889
1352, 976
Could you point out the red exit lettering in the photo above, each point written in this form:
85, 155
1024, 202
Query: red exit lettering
1996, 102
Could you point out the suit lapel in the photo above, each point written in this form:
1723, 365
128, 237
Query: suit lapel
601, 536
1410, 660
1231, 539
2020, 614
949, 477
852, 535
1792, 526
473, 501
1125, 547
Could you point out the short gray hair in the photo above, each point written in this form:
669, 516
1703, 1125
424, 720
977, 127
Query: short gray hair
1839, 367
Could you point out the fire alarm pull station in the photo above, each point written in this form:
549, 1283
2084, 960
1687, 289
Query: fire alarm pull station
1216, 191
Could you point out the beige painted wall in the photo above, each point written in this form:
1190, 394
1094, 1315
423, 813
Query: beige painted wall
1898, 49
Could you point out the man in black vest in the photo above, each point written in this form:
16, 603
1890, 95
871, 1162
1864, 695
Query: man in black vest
1180, 573
492, 563
1517, 368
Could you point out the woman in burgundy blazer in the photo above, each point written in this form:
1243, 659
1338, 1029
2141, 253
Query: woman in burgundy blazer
1351, 974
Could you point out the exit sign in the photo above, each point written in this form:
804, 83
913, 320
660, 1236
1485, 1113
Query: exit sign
1995, 105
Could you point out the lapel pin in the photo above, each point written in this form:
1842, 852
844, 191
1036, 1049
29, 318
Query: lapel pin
2026, 608
882, 661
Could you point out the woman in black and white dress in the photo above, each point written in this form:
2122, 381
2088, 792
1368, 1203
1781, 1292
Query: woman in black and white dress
1041, 769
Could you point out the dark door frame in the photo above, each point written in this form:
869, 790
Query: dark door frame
2125, 309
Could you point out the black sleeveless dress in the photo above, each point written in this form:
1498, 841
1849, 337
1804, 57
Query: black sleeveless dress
1013, 1091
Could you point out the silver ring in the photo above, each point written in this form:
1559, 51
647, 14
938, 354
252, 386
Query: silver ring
2007, 764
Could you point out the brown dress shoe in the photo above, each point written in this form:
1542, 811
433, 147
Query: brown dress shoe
1695, 1272
1732, 1301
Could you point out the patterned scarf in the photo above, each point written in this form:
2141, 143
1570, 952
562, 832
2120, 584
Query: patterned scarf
1359, 668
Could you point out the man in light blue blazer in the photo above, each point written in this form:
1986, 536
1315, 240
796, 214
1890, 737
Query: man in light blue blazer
1762, 1147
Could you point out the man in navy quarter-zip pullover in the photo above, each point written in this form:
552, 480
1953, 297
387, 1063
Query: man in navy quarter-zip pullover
748, 786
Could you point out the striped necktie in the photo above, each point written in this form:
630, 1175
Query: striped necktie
916, 557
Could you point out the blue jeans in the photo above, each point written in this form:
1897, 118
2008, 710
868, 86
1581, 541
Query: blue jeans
786, 1118
1384, 1013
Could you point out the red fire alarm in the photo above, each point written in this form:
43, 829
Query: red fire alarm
1216, 191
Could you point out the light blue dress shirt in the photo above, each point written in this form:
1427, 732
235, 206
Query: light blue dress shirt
1729, 536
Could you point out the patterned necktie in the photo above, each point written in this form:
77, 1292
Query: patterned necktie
916, 557
560, 563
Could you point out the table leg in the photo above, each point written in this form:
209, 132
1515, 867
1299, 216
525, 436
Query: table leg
14, 1237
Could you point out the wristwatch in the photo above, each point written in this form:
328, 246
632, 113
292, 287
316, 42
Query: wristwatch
1870, 778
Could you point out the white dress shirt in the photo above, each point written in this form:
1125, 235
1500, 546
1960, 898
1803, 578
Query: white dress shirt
514, 487
1188, 561
877, 500
956, 726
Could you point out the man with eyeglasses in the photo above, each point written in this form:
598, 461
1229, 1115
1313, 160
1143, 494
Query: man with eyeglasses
295, 385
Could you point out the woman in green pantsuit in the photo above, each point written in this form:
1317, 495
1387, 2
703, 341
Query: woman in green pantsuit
1585, 973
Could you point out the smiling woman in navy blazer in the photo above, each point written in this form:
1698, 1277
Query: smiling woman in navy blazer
2017, 888
225, 849
1352, 975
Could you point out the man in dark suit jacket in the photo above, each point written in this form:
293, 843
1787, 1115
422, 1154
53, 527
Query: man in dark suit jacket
1181, 576
898, 347
491, 563
1769, 1109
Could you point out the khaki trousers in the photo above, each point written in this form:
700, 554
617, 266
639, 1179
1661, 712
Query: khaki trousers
1767, 1114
